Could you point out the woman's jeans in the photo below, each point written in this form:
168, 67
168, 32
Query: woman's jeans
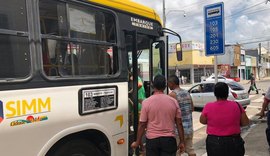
225, 145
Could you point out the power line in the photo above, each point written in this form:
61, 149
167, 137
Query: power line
188, 6
246, 9
248, 13
254, 38
255, 41
193, 14
230, 16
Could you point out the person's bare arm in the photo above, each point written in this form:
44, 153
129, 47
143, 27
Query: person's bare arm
141, 130
172, 94
244, 119
203, 119
180, 130
264, 105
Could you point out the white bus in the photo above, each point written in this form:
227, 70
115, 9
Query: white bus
64, 74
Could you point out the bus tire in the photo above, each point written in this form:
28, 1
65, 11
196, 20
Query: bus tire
76, 147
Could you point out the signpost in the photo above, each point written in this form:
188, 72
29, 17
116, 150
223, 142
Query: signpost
214, 31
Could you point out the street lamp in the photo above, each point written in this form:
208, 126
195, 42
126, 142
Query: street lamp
166, 14
170, 11
184, 14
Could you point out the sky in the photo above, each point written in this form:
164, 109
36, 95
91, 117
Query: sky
246, 21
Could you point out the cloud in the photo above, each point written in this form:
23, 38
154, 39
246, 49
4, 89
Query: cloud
245, 20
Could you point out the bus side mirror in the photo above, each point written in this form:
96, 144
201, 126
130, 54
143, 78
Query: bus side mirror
179, 54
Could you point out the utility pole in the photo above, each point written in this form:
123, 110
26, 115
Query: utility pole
259, 65
164, 14
268, 47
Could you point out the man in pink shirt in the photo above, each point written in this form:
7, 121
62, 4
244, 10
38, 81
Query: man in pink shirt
159, 115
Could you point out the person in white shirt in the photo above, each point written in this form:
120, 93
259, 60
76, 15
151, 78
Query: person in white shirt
265, 104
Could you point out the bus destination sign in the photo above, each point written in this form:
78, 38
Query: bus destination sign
142, 23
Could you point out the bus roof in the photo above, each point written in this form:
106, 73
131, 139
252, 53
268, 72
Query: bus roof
129, 6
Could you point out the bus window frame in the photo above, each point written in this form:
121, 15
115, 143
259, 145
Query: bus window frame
115, 45
28, 34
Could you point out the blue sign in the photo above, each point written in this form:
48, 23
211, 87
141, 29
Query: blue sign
214, 29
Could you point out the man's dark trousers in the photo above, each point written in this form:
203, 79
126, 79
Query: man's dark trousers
161, 146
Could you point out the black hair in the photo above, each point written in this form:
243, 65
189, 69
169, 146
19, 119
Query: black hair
221, 90
174, 79
159, 82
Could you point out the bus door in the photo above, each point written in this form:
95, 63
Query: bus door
144, 62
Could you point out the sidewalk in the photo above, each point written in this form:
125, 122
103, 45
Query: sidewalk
255, 139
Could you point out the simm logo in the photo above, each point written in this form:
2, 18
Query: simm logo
18, 108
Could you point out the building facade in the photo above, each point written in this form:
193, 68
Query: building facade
264, 63
194, 64
229, 63
251, 65
262, 56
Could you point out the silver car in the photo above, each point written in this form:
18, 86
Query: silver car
203, 93
219, 77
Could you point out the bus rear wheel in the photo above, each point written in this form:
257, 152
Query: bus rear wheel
77, 147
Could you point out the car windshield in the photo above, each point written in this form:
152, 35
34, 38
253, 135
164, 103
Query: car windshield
235, 86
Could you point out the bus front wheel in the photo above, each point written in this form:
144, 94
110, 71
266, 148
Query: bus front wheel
77, 147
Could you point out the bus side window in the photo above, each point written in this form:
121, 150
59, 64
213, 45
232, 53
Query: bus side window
104, 61
74, 45
53, 19
71, 63
15, 53
48, 56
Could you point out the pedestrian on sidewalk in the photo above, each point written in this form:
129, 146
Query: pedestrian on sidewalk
159, 115
186, 106
265, 104
252, 84
224, 119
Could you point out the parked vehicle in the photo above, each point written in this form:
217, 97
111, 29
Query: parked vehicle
220, 77
203, 93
